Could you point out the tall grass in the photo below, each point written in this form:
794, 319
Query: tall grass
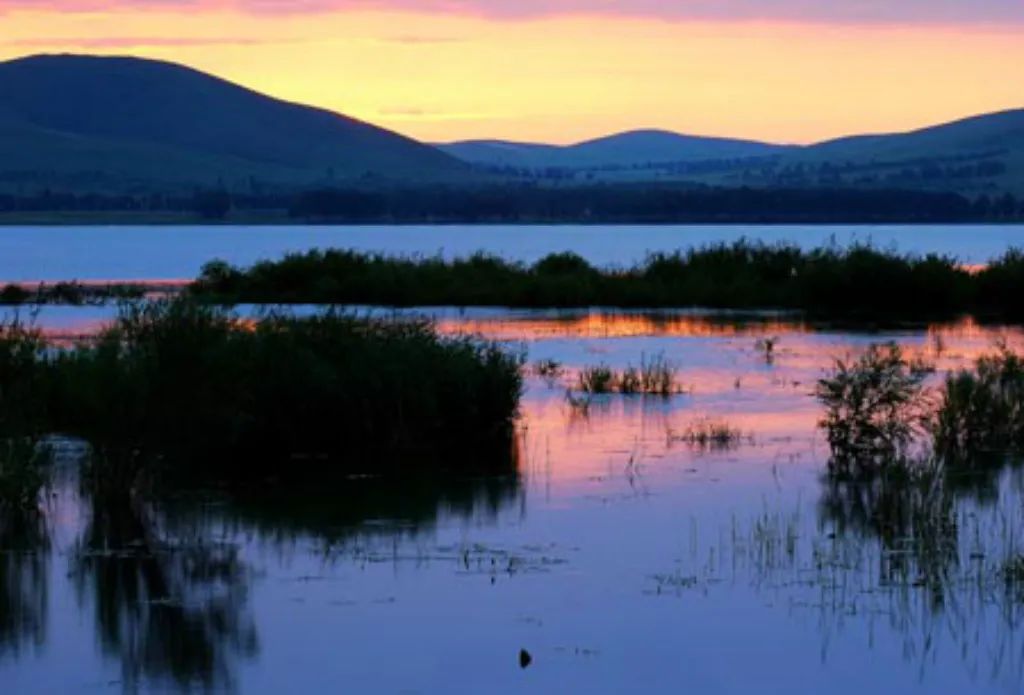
709, 434
597, 379
982, 410
23, 474
656, 376
875, 406
177, 389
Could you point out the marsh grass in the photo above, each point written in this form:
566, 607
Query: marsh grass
876, 406
656, 376
710, 434
855, 281
982, 410
597, 379
174, 389
24, 466
548, 369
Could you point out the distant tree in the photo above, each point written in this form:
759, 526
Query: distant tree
1006, 206
212, 204
982, 207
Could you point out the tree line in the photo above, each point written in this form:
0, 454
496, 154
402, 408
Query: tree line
621, 203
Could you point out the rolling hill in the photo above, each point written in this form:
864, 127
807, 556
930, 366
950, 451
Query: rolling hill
85, 122
981, 154
637, 148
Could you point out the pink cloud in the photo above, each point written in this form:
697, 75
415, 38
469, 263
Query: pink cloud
830, 11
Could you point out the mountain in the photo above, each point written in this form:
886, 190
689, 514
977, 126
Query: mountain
85, 121
637, 148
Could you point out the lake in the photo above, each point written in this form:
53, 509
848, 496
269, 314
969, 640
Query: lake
174, 253
619, 558
622, 557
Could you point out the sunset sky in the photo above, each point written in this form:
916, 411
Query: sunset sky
563, 71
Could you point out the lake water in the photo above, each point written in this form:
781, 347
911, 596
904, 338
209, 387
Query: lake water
619, 558
174, 253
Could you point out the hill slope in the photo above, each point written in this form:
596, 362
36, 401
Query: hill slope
142, 122
981, 154
637, 148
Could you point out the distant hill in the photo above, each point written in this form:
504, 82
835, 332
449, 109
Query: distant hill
973, 155
637, 148
90, 122
982, 154
85, 124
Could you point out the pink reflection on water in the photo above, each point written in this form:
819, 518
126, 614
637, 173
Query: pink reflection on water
620, 439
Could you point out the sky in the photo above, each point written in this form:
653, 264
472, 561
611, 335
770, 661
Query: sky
562, 71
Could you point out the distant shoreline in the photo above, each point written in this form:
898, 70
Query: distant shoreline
171, 220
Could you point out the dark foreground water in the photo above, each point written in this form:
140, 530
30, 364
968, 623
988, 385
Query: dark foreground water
621, 559
174, 253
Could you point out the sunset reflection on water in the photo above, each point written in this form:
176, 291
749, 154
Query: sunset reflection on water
614, 539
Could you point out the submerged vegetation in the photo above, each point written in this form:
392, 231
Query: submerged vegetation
709, 434
850, 282
180, 390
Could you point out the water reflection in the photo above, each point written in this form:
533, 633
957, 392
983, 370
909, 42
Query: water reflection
894, 590
169, 609
358, 511
24, 572
169, 584
918, 564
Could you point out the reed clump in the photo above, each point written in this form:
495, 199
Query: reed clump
178, 389
548, 369
709, 434
875, 408
982, 410
656, 376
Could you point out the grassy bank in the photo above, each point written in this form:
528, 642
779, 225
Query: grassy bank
174, 389
858, 281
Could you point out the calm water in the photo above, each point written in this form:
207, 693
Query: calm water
620, 559
174, 253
